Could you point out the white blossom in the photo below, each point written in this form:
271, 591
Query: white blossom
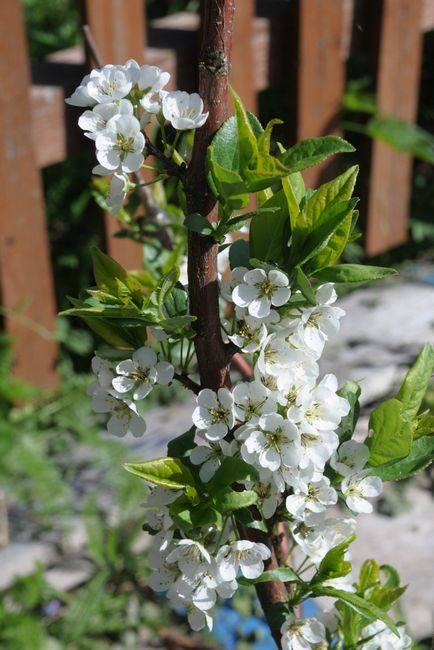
96, 120
80, 97
251, 400
250, 334
120, 146
183, 111
356, 487
315, 497
260, 290
152, 80
119, 186
243, 555
320, 409
301, 633
271, 443
350, 458
214, 413
190, 556
124, 416
384, 638
141, 372
108, 84
210, 457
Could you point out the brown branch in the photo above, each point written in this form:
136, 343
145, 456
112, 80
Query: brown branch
176, 640
213, 354
187, 382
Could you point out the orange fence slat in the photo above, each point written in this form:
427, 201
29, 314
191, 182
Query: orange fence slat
398, 70
26, 282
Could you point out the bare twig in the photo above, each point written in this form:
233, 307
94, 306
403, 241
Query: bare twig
187, 382
177, 640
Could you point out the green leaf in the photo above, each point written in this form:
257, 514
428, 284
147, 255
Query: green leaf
324, 229
360, 605
292, 201
181, 445
335, 191
245, 517
420, 456
168, 472
353, 273
248, 146
391, 575
424, 426
264, 140
403, 136
108, 273
311, 151
224, 148
351, 391
175, 324
176, 303
266, 171
197, 223
227, 185
226, 500
333, 565
369, 575
283, 574
269, 233
239, 254
305, 286
392, 436
413, 388
232, 470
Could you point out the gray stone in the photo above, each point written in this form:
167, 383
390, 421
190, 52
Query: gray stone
71, 573
21, 558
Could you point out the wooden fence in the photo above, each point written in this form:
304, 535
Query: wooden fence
300, 44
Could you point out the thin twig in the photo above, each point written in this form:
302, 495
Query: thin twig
187, 382
177, 640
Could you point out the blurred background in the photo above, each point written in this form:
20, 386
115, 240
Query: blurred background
73, 555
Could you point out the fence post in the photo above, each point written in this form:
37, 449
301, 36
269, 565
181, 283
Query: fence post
397, 72
118, 27
320, 74
26, 285
242, 70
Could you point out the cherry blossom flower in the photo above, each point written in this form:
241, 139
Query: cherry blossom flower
356, 487
243, 555
183, 111
120, 146
214, 413
108, 84
380, 636
96, 120
302, 633
315, 497
152, 80
124, 416
251, 400
271, 443
211, 456
141, 372
190, 556
350, 458
250, 334
260, 290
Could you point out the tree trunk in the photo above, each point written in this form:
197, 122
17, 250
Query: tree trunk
213, 354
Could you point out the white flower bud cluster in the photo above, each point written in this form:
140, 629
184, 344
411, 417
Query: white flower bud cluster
120, 387
121, 101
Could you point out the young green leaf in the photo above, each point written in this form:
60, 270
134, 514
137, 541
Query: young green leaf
108, 273
392, 438
247, 143
239, 254
269, 233
351, 391
245, 517
283, 574
311, 151
360, 605
353, 273
181, 445
413, 388
305, 286
333, 565
264, 140
226, 500
168, 472
231, 470
420, 456
198, 223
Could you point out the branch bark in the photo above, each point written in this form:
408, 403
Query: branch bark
213, 354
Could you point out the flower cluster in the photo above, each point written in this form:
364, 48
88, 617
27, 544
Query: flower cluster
121, 101
284, 423
194, 574
119, 388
